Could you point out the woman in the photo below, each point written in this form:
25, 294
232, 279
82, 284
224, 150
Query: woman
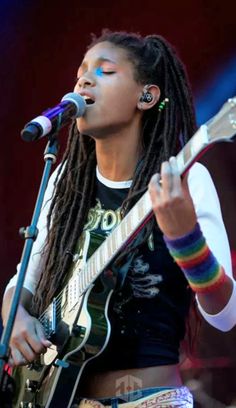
139, 114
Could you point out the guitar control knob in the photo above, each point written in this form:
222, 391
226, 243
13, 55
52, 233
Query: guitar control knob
36, 365
61, 363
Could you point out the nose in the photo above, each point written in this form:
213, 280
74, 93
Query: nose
85, 80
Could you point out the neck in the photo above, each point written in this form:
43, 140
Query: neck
117, 156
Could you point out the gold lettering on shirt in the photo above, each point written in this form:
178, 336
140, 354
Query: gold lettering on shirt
106, 220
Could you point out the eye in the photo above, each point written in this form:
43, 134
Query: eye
99, 71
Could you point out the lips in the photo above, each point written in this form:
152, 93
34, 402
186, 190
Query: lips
88, 97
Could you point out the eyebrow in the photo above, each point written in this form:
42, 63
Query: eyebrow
106, 60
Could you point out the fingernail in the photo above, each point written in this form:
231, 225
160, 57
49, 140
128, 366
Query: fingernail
154, 178
47, 343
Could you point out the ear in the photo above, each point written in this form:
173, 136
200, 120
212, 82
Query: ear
155, 93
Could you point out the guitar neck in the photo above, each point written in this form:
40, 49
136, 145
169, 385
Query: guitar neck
195, 147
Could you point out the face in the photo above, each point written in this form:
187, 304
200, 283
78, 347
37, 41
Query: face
106, 81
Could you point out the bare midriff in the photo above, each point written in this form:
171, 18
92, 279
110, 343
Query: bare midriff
108, 384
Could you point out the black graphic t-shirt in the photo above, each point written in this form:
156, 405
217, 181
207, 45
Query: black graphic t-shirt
147, 314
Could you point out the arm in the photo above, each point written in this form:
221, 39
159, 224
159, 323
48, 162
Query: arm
32, 275
178, 206
218, 307
28, 339
25, 301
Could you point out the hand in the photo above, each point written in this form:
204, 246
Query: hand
28, 340
172, 204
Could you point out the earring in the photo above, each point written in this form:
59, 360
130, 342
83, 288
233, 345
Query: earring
146, 97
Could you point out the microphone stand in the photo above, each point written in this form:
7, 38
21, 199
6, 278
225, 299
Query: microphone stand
29, 234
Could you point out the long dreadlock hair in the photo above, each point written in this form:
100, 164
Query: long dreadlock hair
155, 61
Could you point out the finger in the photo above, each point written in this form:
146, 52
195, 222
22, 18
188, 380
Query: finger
167, 182
27, 352
37, 340
176, 179
28, 342
17, 358
154, 187
41, 335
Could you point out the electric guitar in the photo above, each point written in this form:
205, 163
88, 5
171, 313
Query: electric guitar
77, 319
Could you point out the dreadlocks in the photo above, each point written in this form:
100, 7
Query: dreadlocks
163, 133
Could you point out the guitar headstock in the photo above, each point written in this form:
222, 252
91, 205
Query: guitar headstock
222, 126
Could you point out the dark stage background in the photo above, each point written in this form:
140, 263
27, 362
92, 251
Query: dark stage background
41, 45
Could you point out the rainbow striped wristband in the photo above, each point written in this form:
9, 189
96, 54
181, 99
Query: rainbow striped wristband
200, 267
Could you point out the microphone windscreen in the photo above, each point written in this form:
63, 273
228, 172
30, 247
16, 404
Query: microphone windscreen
78, 100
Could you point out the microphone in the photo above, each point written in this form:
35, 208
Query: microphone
71, 106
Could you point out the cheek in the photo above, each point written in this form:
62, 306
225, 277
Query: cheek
125, 99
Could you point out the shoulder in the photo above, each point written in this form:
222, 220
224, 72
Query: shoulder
53, 179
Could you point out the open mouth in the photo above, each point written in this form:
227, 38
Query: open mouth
88, 101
